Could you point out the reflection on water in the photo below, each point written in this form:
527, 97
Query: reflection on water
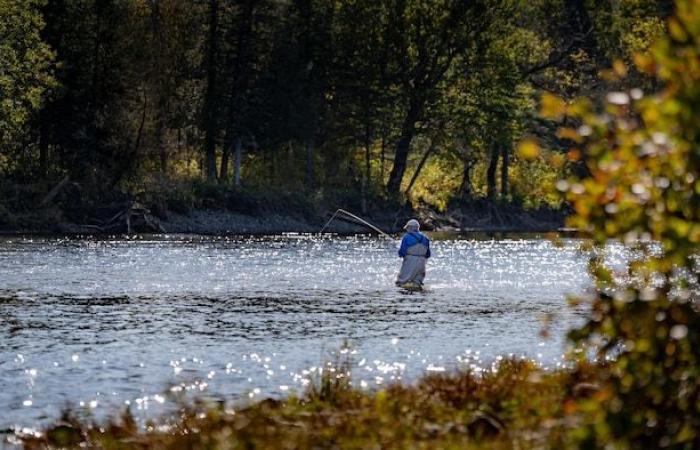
102, 324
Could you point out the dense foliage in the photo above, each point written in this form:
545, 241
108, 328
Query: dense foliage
25, 77
357, 96
642, 187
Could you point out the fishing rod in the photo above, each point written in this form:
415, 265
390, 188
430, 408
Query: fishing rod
358, 219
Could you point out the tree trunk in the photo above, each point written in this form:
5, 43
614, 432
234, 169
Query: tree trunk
422, 162
162, 151
179, 149
368, 161
363, 196
223, 168
368, 171
210, 98
408, 131
491, 172
290, 155
382, 159
158, 81
309, 163
269, 157
239, 84
237, 162
44, 145
121, 169
505, 161
466, 187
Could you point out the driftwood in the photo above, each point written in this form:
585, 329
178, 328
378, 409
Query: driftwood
134, 218
438, 221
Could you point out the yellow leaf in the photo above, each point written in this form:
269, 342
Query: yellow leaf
528, 149
645, 63
569, 133
681, 227
551, 106
580, 107
620, 68
676, 30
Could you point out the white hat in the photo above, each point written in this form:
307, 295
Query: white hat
412, 225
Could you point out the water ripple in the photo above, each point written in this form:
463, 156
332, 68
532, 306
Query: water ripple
109, 323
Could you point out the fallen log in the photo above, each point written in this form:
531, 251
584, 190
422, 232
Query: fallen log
134, 218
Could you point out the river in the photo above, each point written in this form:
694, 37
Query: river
101, 324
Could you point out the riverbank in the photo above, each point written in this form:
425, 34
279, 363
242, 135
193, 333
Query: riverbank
217, 222
513, 404
207, 209
196, 221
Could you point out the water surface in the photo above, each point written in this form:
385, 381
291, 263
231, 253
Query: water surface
101, 324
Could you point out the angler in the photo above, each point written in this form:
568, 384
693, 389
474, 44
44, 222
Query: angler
415, 250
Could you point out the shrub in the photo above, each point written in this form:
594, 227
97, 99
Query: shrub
643, 189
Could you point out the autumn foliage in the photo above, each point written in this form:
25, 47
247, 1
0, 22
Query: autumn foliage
642, 187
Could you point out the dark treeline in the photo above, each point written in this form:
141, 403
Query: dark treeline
376, 98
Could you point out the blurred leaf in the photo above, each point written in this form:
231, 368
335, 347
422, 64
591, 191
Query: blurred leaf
528, 149
552, 107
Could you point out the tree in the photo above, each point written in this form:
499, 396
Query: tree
362, 106
170, 31
26, 76
248, 30
95, 123
491, 101
150, 92
211, 103
426, 37
296, 80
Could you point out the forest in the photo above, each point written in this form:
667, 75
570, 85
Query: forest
361, 104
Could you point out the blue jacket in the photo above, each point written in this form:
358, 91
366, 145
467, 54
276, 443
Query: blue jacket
412, 238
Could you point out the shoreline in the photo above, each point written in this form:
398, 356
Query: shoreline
222, 222
260, 211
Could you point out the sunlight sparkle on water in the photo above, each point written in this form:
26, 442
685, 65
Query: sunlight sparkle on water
148, 319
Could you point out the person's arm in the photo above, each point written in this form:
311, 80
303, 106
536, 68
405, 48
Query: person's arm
404, 246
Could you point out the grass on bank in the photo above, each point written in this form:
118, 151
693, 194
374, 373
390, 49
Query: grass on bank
515, 405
